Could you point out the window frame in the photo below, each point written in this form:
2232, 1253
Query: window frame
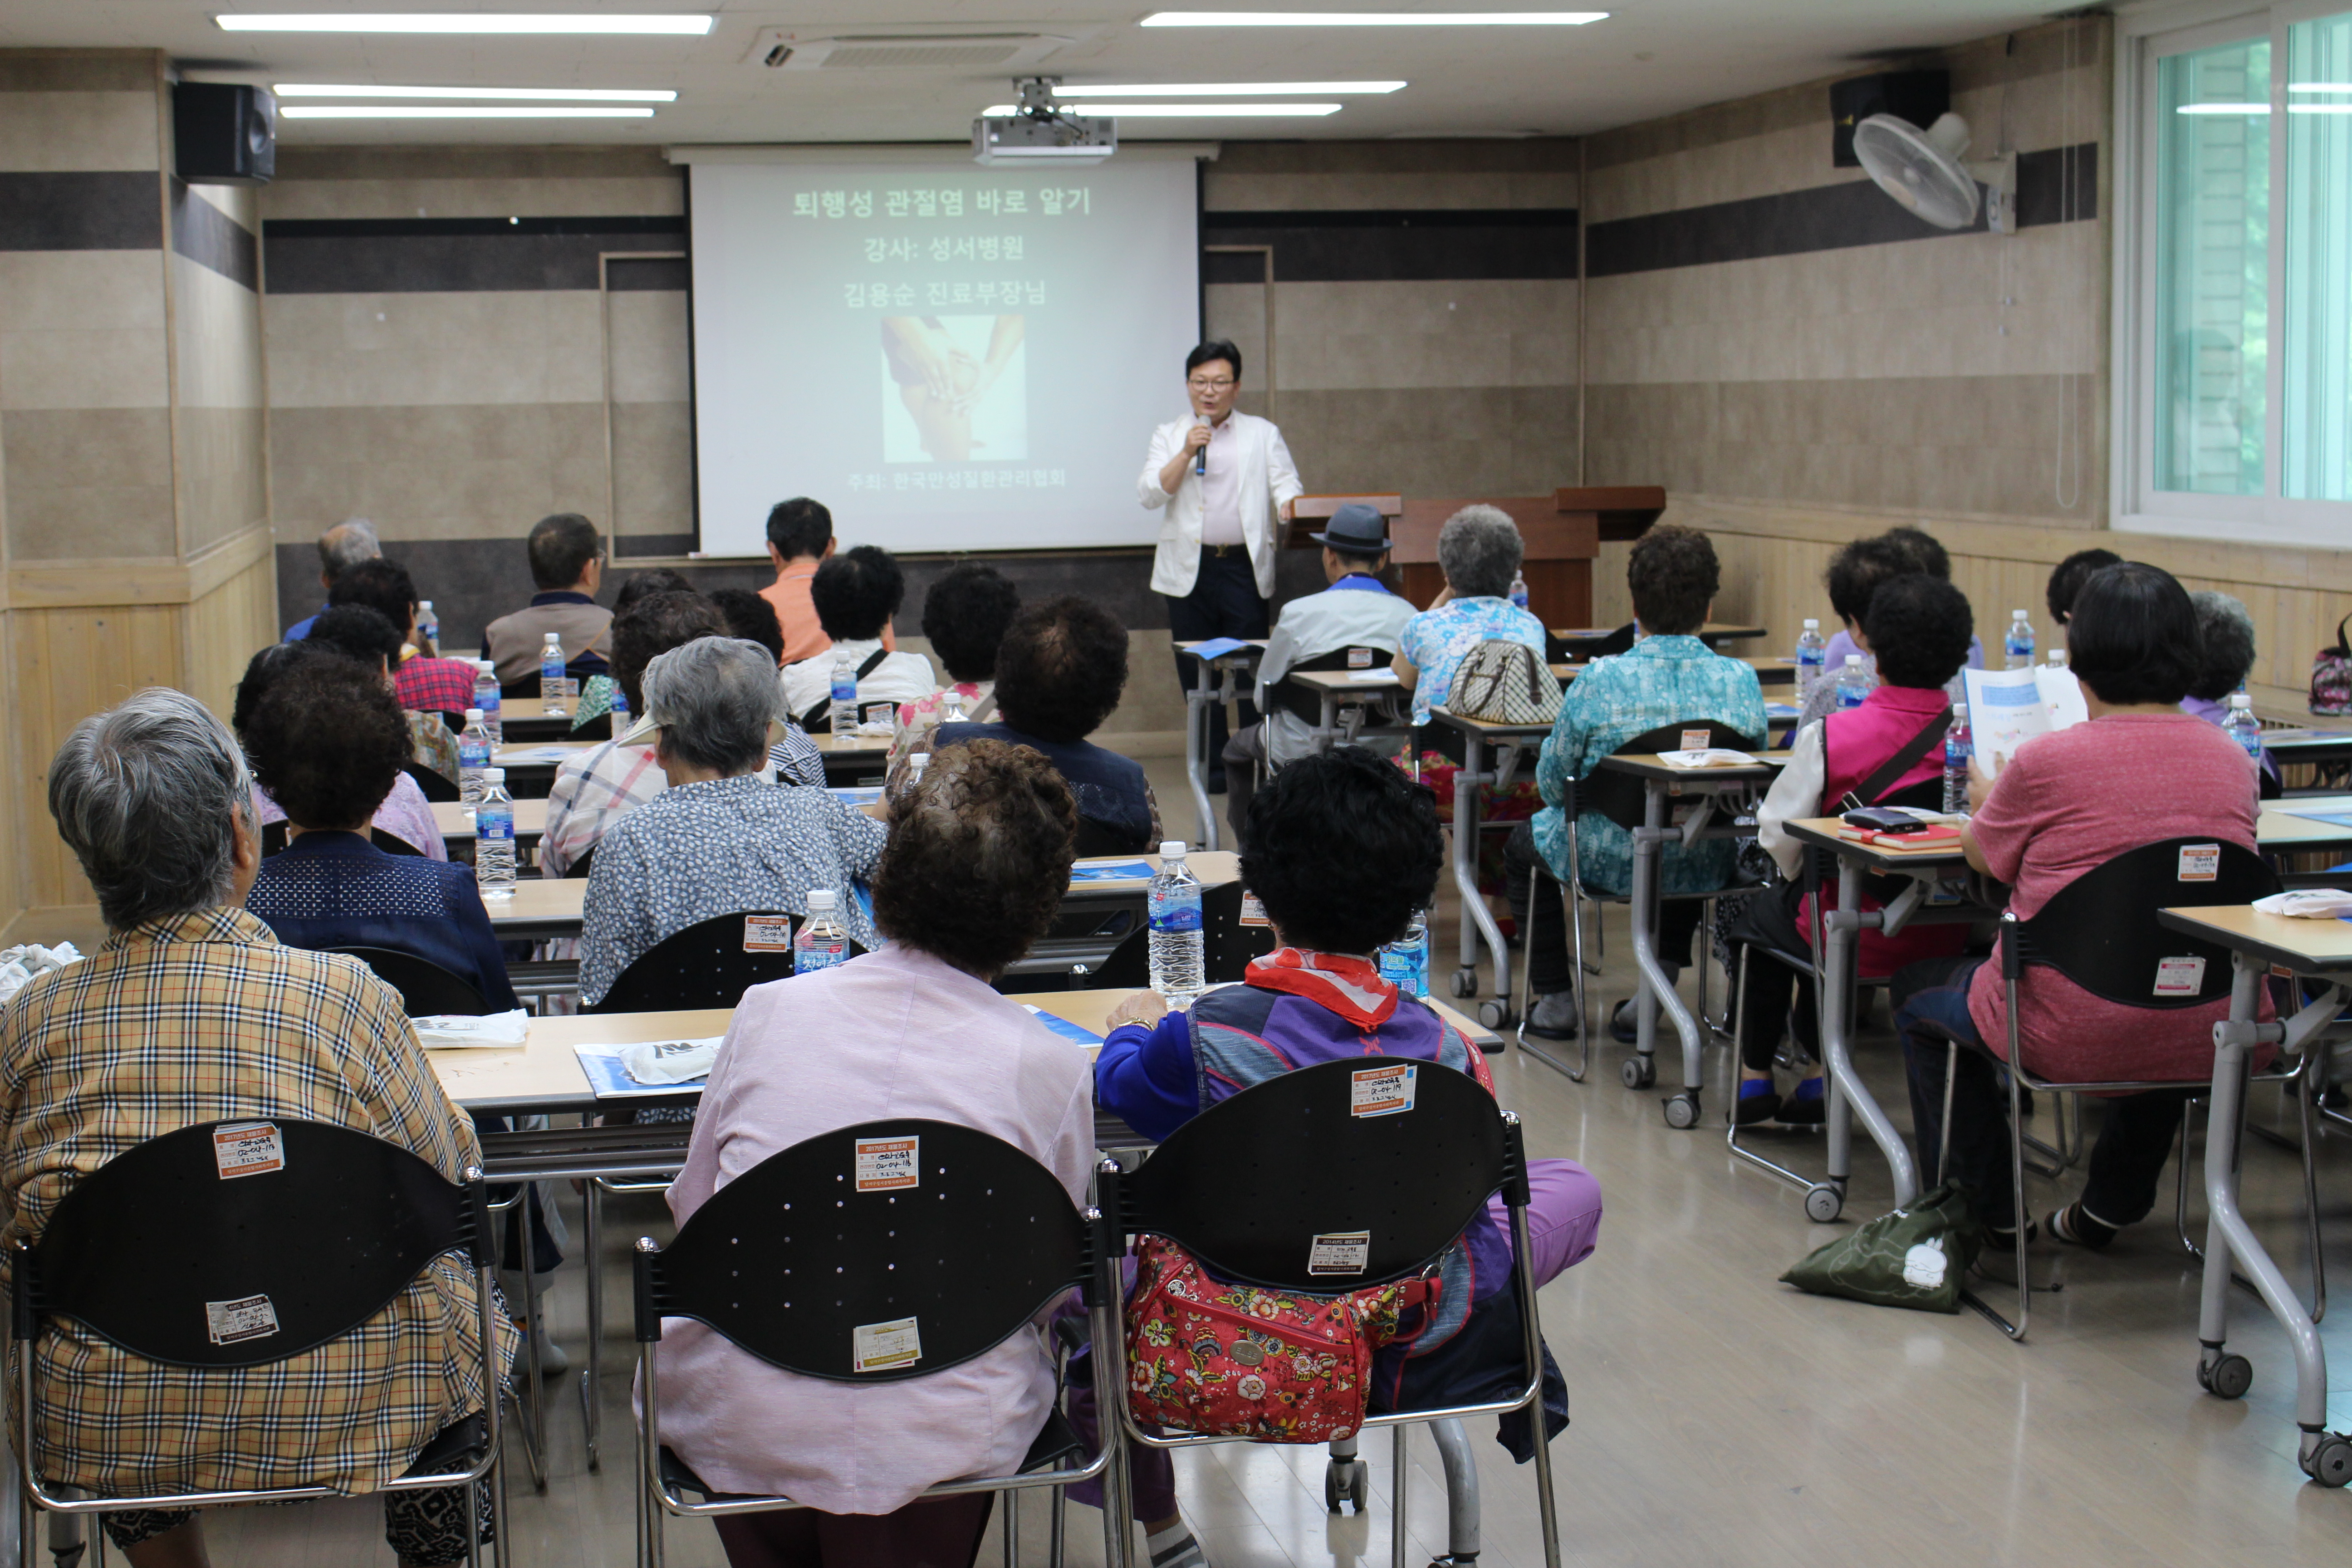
2145, 34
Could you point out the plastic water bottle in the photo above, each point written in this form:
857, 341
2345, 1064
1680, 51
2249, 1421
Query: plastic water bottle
820, 943
485, 698
620, 711
1812, 653
552, 686
494, 844
1179, 957
2056, 658
844, 692
1853, 683
1404, 963
2242, 727
473, 757
428, 627
1956, 759
1519, 589
952, 707
2020, 646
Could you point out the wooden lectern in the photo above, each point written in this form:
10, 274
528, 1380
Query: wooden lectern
1563, 531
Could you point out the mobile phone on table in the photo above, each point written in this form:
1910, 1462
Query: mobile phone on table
1883, 820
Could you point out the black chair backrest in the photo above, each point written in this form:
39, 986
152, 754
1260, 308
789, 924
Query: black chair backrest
454, 723
844, 1252
425, 988
392, 845
1619, 641
710, 964
1264, 1185
1620, 797
235, 1244
578, 870
437, 790
2100, 930
1226, 947
273, 837
1098, 840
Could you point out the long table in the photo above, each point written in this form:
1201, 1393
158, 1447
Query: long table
1213, 685
455, 821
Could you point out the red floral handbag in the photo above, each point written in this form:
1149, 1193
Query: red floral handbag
1243, 1361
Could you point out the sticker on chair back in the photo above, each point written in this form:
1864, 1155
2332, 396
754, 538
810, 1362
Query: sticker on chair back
767, 933
878, 1347
248, 1149
1341, 1252
1382, 1091
1696, 740
1360, 659
2180, 977
1254, 911
888, 1164
2201, 862
232, 1322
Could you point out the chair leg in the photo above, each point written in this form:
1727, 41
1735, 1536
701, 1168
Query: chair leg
1054, 1537
1460, 1488
2304, 1092
1400, 1484
1011, 1503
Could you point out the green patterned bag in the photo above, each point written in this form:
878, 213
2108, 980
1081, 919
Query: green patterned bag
1912, 1258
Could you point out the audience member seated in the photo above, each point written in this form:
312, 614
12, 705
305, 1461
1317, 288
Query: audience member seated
1925, 554
1356, 611
1059, 673
1919, 624
341, 547
855, 593
424, 684
2225, 637
1479, 551
2140, 772
597, 693
972, 874
567, 565
719, 838
2066, 580
750, 618
1669, 676
358, 632
1855, 572
964, 617
327, 743
1342, 849
193, 1012
800, 538
404, 811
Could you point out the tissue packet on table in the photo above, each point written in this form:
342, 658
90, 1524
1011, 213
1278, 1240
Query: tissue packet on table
670, 1061
1707, 757
449, 1031
2308, 904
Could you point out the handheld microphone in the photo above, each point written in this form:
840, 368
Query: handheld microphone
1201, 456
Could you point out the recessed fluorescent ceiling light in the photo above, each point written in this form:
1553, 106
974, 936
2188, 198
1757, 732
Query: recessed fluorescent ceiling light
2319, 87
2223, 108
1373, 18
1185, 110
1223, 88
557, 94
416, 111
2319, 109
456, 22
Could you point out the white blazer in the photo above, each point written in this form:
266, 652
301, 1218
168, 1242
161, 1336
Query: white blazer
1269, 479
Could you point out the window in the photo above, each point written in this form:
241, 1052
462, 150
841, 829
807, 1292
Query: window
2234, 265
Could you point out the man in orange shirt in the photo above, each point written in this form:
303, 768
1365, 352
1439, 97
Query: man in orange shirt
800, 536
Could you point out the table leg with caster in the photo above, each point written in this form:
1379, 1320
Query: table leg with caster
1848, 1096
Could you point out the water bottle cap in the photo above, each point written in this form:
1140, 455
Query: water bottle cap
1959, 713
553, 637
473, 715
494, 775
424, 604
1172, 849
1812, 624
2241, 699
821, 900
1853, 661
2017, 615
484, 667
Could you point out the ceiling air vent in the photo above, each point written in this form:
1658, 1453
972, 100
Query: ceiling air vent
793, 48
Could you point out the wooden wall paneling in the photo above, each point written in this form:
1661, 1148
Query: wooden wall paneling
224, 628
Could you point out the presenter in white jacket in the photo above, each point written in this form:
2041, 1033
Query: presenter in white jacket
1223, 480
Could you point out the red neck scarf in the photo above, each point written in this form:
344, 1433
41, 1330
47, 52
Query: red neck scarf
1348, 985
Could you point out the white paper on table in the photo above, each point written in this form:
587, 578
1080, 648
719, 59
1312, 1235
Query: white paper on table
607, 1072
1707, 757
2308, 904
452, 1031
2008, 708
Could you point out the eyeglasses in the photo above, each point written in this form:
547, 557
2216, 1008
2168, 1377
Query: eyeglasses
1197, 384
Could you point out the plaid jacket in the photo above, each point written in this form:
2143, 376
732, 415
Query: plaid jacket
434, 685
199, 1018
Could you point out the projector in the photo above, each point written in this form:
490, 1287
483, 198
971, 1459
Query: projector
1039, 132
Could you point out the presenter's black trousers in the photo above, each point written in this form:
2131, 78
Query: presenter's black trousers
1224, 602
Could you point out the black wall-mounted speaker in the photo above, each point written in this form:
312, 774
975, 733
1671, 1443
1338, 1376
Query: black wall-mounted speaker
226, 133
1919, 96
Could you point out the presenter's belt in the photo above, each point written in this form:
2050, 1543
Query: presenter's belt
1222, 548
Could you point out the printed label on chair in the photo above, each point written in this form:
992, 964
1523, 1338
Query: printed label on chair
888, 1164
1380, 1092
2201, 862
1360, 659
1341, 1252
2180, 977
228, 1322
248, 1149
767, 933
878, 1347
1254, 911
1696, 740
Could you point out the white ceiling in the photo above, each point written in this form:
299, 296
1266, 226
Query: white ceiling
1651, 58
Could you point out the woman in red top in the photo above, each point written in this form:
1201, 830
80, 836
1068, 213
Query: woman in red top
2140, 772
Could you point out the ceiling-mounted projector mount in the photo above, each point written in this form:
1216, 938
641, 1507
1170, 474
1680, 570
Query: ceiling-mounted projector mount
1038, 131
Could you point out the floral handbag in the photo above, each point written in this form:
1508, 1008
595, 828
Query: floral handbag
1242, 1362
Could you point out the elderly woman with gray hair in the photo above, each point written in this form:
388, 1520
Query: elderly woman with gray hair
1479, 551
720, 839
2225, 638
193, 1012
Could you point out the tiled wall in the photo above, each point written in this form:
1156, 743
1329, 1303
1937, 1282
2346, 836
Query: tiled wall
1768, 326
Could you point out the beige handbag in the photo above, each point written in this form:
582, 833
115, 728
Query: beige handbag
1504, 683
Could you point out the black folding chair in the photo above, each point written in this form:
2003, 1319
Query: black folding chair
710, 964
1388, 716
937, 1274
1226, 948
274, 836
1250, 1185
149, 1250
425, 988
2100, 930
578, 870
437, 791
1100, 841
